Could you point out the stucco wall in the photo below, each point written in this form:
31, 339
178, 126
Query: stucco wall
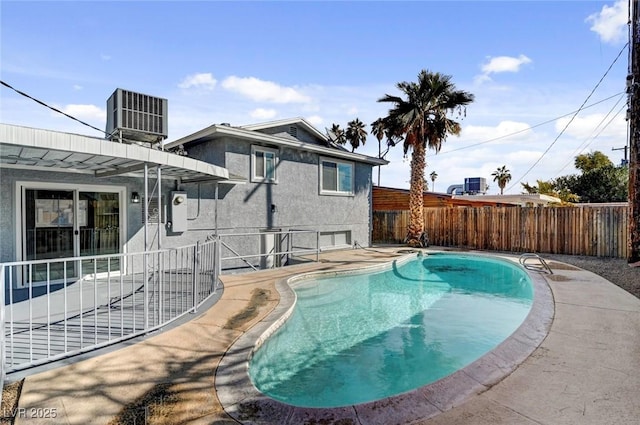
301, 134
295, 197
134, 230
297, 203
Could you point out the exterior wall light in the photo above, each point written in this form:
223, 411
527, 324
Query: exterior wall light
135, 198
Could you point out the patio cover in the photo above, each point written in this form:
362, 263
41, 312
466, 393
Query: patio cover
31, 148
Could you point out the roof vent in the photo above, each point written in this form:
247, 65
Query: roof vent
136, 117
226, 124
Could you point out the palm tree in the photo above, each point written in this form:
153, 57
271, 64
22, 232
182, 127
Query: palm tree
338, 134
422, 118
356, 133
502, 176
433, 176
377, 129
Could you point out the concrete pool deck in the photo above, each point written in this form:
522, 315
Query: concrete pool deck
586, 370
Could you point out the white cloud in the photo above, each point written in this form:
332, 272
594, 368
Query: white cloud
316, 120
263, 114
264, 91
201, 80
84, 112
513, 129
77, 87
611, 22
504, 64
590, 126
105, 57
352, 111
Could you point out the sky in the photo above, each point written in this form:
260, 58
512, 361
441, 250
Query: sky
548, 77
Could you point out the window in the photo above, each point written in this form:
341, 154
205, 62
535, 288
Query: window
263, 164
336, 177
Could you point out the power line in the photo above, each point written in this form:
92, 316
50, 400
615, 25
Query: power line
592, 137
531, 127
52, 108
571, 120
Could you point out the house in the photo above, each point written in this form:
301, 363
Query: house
294, 178
393, 199
67, 195
523, 199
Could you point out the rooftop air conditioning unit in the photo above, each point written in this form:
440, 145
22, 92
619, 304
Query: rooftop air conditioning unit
475, 185
136, 117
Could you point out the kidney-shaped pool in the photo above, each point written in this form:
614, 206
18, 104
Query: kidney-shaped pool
361, 337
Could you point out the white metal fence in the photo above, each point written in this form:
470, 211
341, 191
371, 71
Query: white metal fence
48, 313
118, 297
267, 249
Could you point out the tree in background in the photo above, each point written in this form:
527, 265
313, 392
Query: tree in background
421, 117
502, 176
591, 161
599, 181
377, 129
336, 134
433, 176
356, 134
551, 188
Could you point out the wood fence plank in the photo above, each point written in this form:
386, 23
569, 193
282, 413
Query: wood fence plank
601, 231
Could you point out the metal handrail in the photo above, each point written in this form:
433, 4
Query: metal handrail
273, 252
541, 266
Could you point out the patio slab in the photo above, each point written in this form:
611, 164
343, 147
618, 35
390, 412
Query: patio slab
586, 371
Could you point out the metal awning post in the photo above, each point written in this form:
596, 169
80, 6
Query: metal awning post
145, 271
161, 208
215, 213
145, 213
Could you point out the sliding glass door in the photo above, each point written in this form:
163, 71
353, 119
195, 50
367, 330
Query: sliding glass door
70, 223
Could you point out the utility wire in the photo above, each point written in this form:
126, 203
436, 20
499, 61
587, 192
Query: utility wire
531, 127
52, 108
592, 137
571, 120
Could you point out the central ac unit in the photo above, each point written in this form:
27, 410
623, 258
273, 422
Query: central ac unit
137, 117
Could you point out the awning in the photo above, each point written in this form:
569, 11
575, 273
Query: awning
38, 149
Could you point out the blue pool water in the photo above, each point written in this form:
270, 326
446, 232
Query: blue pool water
363, 337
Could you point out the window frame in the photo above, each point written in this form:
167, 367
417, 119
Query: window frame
276, 159
338, 162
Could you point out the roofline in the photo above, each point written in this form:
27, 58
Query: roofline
217, 130
287, 121
14, 135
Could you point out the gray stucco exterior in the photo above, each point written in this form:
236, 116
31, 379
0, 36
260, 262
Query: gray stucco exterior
295, 197
239, 205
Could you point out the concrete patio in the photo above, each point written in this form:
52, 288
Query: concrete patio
586, 371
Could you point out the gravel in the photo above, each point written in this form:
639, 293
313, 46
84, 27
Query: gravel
615, 270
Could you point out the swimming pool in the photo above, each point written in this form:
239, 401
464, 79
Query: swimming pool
357, 338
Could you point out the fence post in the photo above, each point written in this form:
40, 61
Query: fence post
196, 273
216, 262
3, 349
145, 288
219, 256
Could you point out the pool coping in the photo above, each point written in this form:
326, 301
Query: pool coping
246, 404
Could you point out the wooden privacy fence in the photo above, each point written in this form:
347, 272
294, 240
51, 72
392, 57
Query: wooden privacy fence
593, 231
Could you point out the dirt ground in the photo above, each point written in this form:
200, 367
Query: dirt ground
615, 270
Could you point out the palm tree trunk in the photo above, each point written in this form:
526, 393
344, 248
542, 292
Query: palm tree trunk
416, 196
